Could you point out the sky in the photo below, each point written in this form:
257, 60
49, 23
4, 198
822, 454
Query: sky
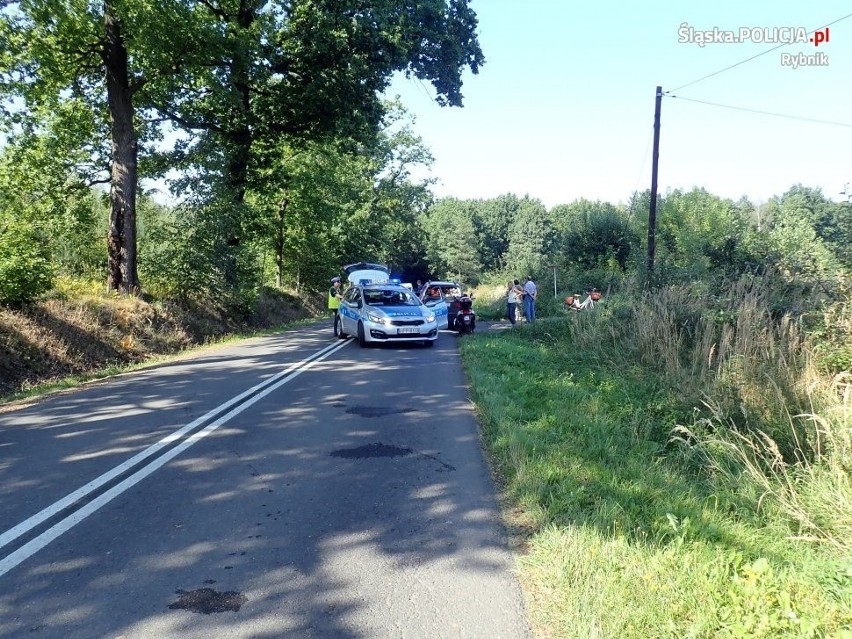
564, 106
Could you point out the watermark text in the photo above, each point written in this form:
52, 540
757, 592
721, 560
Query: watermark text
687, 34
797, 60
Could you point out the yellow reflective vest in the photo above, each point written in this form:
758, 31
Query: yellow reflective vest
333, 299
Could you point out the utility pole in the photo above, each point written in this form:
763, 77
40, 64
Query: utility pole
652, 212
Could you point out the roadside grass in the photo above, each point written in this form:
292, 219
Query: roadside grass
79, 333
629, 532
69, 382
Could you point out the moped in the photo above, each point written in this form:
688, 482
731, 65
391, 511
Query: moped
465, 322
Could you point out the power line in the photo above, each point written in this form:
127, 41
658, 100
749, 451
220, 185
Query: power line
777, 115
644, 159
728, 68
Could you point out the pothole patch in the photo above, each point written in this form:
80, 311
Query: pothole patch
377, 411
207, 601
371, 450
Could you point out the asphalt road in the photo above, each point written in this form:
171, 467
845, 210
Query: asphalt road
288, 486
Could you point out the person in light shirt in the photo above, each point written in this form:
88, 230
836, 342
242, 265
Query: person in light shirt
530, 294
514, 295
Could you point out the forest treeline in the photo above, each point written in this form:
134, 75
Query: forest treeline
801, 235
338, 207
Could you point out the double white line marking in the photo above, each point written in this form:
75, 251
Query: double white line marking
237, 405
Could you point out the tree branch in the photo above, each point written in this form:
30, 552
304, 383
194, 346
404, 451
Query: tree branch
186, 123
93, 182
216, 11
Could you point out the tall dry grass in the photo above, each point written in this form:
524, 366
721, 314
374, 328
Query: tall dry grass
766, 420
813, 491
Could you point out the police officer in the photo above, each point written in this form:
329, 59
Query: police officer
334, 297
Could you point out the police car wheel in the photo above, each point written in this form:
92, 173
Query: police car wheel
362, 341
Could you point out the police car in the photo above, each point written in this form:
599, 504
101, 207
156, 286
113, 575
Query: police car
375, 309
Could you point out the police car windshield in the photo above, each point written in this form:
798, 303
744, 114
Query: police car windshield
390, 297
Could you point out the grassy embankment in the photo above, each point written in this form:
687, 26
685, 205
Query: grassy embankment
674, 466
79, 333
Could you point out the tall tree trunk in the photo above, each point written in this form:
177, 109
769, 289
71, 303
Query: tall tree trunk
122, 196
237, 181
279, 243
240, 141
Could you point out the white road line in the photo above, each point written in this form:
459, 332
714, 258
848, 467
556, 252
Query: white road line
30, 523
30, 548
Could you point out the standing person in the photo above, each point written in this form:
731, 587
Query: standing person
519, 292
514, 294
530, 295
334, 297
418, 288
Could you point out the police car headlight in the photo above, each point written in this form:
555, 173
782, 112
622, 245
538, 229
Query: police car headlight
430, 317
377, 319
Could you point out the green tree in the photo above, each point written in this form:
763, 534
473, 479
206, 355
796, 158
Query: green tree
451, 241
698, 232
25, 268
492, 219
323, 204
591, 234
388, 228
95, 57
789, 242
831, 221
301, 204
310, 70
531, 238
67, 216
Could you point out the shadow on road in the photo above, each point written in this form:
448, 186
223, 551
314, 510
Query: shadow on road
352, 502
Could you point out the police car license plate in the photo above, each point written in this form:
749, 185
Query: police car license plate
408, 330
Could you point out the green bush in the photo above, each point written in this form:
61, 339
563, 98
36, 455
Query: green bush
596, 234
830, 329
603, 277
25, 268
